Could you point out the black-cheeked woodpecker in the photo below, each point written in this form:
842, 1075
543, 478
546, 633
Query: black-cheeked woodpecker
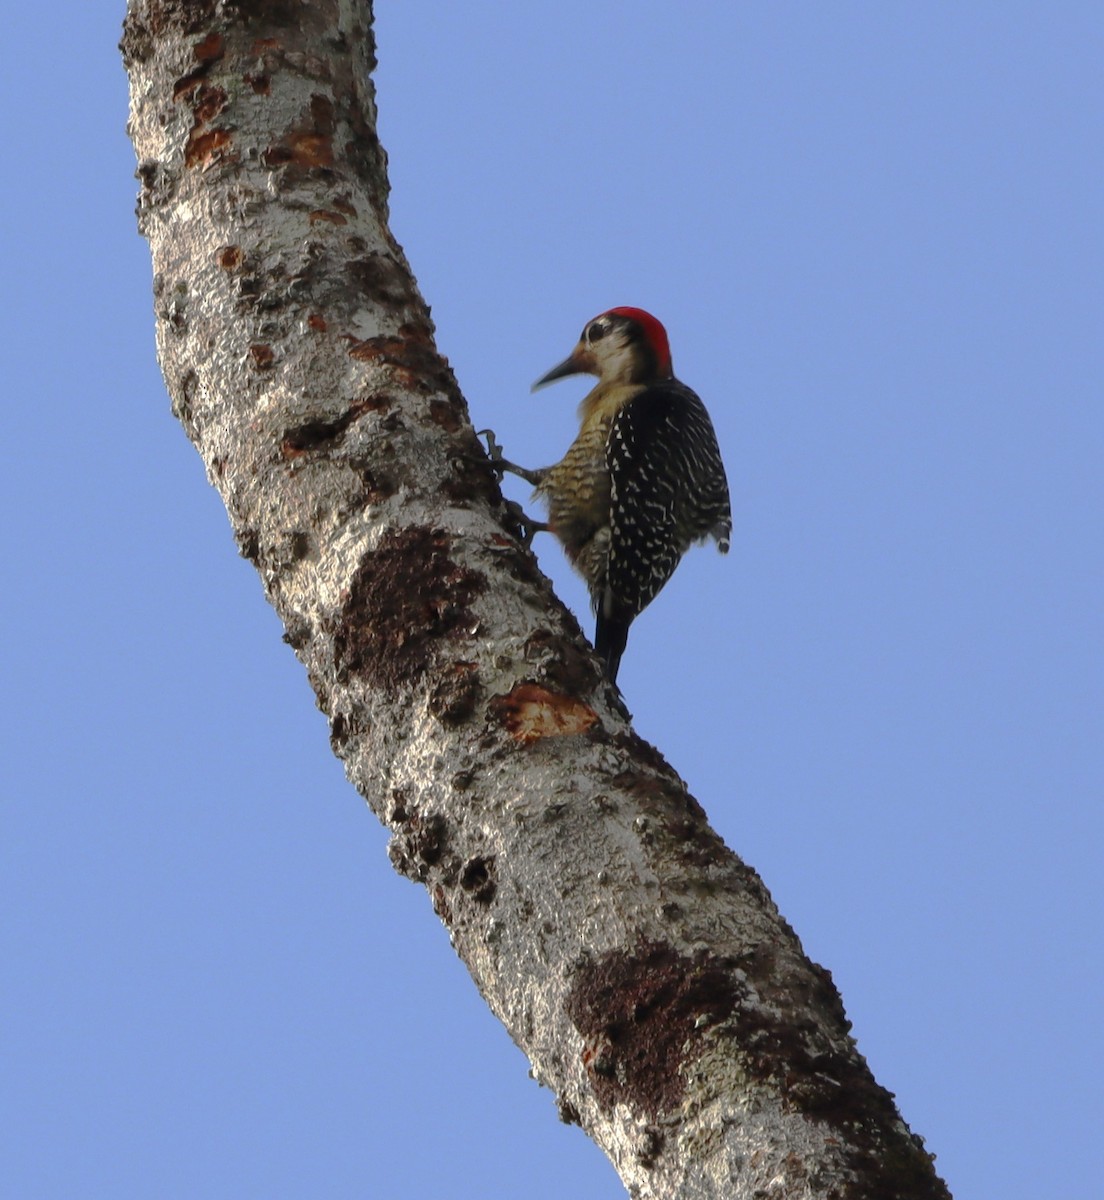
641, 482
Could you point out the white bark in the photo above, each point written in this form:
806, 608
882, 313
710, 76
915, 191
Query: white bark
639, 964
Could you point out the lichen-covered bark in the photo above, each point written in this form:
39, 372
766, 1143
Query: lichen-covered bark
641, 966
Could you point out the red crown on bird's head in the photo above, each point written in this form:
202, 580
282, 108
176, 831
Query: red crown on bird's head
653, 331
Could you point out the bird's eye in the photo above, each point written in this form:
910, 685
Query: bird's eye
596, 330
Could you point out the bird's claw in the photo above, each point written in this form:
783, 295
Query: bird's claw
494, 451
528, 528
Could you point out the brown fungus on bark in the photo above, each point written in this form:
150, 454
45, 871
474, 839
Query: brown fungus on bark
640, 1014
413, 361
406, 599
321, 435
833, 1085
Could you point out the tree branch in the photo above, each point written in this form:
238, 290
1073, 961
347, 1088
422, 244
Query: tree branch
640, 965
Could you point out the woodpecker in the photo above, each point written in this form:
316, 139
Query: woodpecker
640, 483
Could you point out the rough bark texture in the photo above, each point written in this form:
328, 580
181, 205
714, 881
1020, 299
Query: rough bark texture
640, 965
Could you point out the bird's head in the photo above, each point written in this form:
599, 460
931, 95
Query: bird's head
623, 345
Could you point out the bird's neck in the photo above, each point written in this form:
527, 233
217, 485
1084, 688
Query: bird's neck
605, 400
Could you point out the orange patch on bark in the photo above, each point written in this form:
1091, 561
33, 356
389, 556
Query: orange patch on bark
203, 147
311, 150
208, 103
386, 348
229, 257
302, 149
530, 712
209, 49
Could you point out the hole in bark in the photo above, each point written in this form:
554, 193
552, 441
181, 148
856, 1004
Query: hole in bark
477, 879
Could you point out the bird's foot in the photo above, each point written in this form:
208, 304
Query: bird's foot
527, 527
501, 465
494, 450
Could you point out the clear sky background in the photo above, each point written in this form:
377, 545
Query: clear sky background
874, 233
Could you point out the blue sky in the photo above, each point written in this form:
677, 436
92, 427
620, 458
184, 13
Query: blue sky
874, 234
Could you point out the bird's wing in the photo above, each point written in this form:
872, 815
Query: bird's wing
668, 489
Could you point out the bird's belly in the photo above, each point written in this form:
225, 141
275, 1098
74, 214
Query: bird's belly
577, 492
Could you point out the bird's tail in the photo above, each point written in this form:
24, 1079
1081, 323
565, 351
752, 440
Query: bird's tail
610, 636
722, 533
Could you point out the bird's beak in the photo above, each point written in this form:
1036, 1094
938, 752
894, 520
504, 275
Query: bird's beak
575, 364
